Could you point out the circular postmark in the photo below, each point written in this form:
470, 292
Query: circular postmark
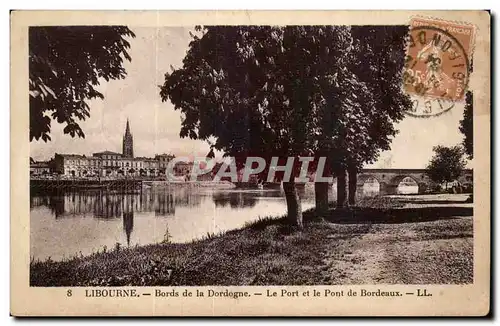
436, 71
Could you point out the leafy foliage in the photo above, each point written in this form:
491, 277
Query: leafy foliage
447, 164
378, 63
66, 63
466, 125
234, 86
292, 91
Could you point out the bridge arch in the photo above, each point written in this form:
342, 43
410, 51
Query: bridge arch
363, 178
407, 184
371, 186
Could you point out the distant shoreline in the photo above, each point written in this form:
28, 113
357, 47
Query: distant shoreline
127, 184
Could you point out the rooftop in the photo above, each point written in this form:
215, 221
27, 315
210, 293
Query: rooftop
165, 155
40, 164
107, 153
71, 155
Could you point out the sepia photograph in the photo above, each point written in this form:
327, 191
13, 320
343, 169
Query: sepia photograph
239, 155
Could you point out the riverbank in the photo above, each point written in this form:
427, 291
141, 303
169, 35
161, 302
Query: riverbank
380, 241
45, 185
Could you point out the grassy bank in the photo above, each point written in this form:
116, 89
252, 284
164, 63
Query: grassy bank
378, 242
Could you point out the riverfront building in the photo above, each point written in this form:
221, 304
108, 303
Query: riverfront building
112, 164
39, 168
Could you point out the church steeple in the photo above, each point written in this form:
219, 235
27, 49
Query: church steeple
127, 129
128, 142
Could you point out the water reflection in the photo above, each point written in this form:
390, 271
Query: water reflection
108, 205
128, 224
164, 205
65, 224
241, 199
234, 200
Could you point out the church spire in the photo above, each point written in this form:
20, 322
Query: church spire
128, 142
127, 129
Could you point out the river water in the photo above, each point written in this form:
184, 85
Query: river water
78, 223
74, 223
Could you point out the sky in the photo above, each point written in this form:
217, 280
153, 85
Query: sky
156, 125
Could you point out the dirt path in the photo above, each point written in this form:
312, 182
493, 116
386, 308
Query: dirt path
408, 253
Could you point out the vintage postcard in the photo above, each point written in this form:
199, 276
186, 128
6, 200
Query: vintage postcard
239, 163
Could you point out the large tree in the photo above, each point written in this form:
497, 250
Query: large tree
288, 91
379, 64
365, 102
466, 125
253, 88
66, 64
446, 165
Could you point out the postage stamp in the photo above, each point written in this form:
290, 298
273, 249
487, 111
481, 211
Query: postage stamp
438, 64
250, 163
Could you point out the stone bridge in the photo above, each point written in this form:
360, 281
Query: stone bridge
390, 179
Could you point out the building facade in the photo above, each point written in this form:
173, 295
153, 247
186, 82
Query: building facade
40, 168
163, 160
112, 164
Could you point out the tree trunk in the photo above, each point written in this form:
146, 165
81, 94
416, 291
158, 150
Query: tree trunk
353, 184
341, 188
293, 203
321, 195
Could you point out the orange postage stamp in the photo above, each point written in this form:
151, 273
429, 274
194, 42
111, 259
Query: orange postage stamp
439, 59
